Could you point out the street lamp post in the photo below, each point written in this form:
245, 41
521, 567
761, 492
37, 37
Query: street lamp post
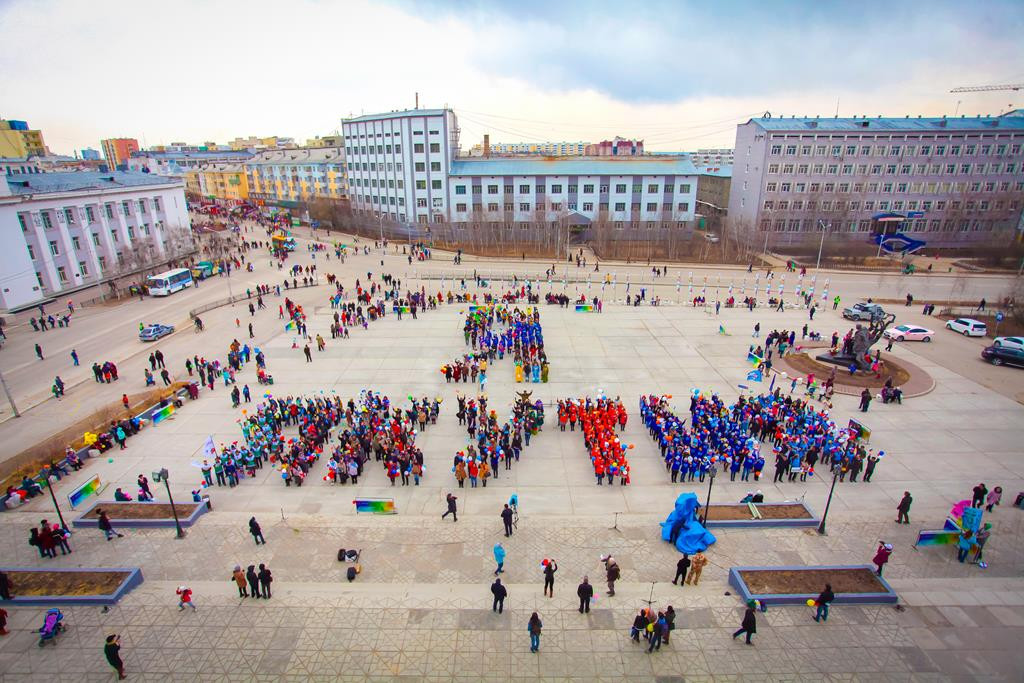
712, 471
835, 477
170, 498
63, 524
821, 245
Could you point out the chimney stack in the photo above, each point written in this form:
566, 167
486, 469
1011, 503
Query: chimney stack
417, 101
487, 146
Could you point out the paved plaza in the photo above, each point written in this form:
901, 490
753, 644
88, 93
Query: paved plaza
421, 608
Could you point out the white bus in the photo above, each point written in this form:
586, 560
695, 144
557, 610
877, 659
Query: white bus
169, 282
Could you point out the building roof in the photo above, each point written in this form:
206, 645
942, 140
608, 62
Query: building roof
635, 165
891, 124
299, 155
40, 183
204, 154
396, 115
722, 171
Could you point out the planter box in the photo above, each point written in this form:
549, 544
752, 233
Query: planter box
140, 515
57, 587
773, 515
853, 584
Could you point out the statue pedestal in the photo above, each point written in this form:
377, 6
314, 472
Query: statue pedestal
843, 360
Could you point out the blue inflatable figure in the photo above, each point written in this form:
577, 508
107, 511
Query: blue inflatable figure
682, 528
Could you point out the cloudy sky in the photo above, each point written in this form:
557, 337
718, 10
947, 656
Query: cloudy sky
676, 73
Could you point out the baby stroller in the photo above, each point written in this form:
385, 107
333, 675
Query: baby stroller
263, 378
52, 626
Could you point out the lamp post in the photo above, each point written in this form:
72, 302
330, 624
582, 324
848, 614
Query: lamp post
712, 471
63, 524
177, 523
821, 245
835, 477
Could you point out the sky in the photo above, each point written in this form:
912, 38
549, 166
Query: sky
678, 74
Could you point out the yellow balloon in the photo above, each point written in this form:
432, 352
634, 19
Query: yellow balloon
810, 602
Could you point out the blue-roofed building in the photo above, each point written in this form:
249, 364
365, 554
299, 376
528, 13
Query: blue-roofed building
174, 163
65, 231
953, 181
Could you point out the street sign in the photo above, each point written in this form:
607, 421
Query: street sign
1000, 317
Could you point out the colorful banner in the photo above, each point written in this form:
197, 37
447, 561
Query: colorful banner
164, 413
755, 376
754, 360
209, 448
859, 431
937, 537
584, 308
378, 506
89, 488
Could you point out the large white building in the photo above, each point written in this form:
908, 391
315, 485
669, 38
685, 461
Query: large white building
65, 231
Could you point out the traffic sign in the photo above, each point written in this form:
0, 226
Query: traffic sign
1000, 317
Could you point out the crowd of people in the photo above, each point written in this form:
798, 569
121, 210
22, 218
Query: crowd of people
493, 444
598, 420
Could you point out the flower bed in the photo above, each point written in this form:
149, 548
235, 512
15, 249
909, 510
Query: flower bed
140, 514
89, 586
852, 584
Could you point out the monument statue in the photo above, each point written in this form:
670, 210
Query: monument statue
863, 339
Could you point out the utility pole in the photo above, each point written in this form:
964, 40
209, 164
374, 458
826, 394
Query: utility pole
10, 399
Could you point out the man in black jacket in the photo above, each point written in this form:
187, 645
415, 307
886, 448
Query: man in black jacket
682, 567
585, 592
506, 517
823, 601
903, 509
749, 625
500, 593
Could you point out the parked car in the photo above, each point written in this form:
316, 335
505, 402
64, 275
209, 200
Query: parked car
863, 312
1003, 355
969, 327
155, 331
908, 333
1010, 342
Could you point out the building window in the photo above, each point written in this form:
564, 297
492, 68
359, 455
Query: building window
419, 167
47, 221
588, 206
588, 189
652, 206
556, 206
125, 208
492, 189
142, 204
31, 252
83, 269
620, 206
421, 184
776, 149
435, 184
76, 243
435, 147
69, 216
524, 206
417, 148
62, 274
771, 187
460, 189
54, 248
684, 206
637, 189
620, 188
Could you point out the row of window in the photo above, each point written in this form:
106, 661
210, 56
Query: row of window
387, 134
913, 188
896, 169
526, 225
417, 148
571, 206
76, 242
556, 188
83, 269
49, 217
895, 205
894, 150
919, 225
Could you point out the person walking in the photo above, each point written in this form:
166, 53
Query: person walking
254, 581
534, 626
657, 633
549, 578
979, 491
309, 356
882, 556
506, 517
185, 598
106, 527
903, 509
238, 576
256, 531
585, 592
74, 357
5, 586
612, 573
865, 400
964, 545
681, 568
500, 593
824, 598
994, 496
749, 624
265, 580
112, 651
39, 351
499, 558
696, 567
451, 507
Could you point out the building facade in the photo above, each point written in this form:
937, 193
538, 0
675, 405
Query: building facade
66, 231
619, 147
117, 152
952, 182
221, 180
712, 157
90, 154
398, 163
289, 176
554, 149
175, 162
19, 165
18, 140
253, 143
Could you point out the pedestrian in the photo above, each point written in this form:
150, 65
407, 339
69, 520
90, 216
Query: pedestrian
534, 626
254, 581
185, 598
882, 556
74, 357
749, 624
112, 651
39, 351
822, 603
696, 567
993, 498
903, 509
500, 593
585, 592
865, 400
549, 578
499, 558
670, 623
639, 626
657, 630
5, 586
238, 576
309, 356
105, 526
681, 568
964, 545
506, 517
451, 507
612, 572
257, 533
980, 491
265, 580
980, 539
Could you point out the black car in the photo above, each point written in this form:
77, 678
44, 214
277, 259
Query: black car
1001, 355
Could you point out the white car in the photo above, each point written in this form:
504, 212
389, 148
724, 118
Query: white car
969, 327
909, 333
1010, 343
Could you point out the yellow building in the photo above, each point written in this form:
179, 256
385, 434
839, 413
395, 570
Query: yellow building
253, 142
218, 181
297, 175
16, 140
326, 141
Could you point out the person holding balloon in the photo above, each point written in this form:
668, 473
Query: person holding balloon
822, 603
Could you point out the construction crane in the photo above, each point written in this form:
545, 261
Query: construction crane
989, 88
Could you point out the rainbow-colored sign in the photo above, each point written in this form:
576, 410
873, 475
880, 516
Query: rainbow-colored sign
937, 537
164, 413
584, 308
378, 506
89, 488
402, 309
